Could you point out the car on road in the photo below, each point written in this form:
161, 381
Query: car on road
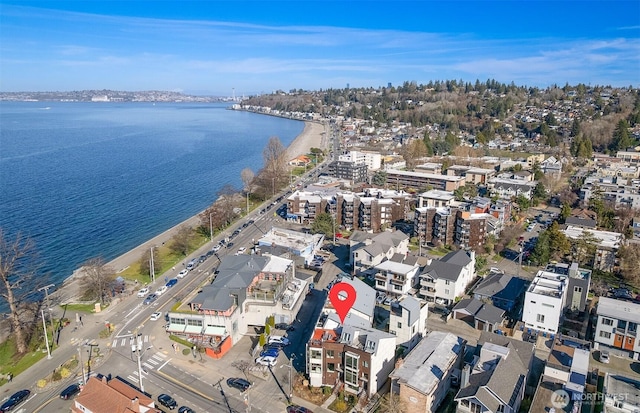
216, 248
237, 383
70, 391
241, 250
185, 409
150, 298
285, 327
267, 361
167, 401
294, 408
15, 399
604, 356
270, 352
162, 290
229, 244
278, 340
143, 291
182, 273
171, 282
155, 316
191, 265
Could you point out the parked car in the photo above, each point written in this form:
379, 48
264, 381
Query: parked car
162, 290
183, 273
70, 391
150, 298
155, 316
241, 250
270, 352
185, 409
294, 408
267, 361
604, 356
143, 291
237, 383
278, 340
191, 265
285, 327
167, 401
15, 399
171, 282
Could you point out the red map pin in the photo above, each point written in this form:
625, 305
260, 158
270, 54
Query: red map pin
342, 296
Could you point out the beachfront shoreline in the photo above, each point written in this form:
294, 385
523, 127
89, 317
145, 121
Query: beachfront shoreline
312, 136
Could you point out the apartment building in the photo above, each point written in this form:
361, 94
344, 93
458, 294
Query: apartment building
420, 180
606, 247
435, 225
348, 170
408, 320
471, 229
298, 244
441, 281
373, 160
395, 278
304, 206
472, 175
511, 188
246, 290
423, 378
436, 198
617, 326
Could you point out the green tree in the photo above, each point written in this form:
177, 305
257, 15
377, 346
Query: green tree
181, 241
466, 192
559, 244
629, 263
584, 248
575, 128
541, 253
621, 137
550, 119
565, 211
323, 224
379, 178
523, 203
540, 192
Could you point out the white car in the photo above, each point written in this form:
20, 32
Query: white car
143, 292
279, 340
155, 316
162, 290
267, 361
241, 250
182, 273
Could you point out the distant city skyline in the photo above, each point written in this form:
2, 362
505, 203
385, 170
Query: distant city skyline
250, 47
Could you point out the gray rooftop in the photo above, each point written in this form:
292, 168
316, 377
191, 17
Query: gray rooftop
618, 309
412, 305
427, 363
449, 267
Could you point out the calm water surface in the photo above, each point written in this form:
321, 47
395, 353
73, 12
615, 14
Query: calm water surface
97, 179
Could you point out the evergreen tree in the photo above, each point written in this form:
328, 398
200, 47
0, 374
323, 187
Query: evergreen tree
621, 137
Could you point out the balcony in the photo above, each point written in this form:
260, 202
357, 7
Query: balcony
381, 276
427, 282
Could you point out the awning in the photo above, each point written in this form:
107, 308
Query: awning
193, 330
215, 331
178, 328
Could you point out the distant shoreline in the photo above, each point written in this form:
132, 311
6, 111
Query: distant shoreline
310, 137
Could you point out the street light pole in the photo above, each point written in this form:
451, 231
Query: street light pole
46, 337
84, 378
136, 349
46, 297
151, 267
211, 225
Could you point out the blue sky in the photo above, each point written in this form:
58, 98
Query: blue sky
216, 47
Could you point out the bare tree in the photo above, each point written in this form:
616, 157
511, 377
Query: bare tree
391, 403
145, 261
247, 177
243, 366
275, 161
18, 281
97, 278
182, 240
413, 151
629, 263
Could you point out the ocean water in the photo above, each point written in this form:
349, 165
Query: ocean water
97, 179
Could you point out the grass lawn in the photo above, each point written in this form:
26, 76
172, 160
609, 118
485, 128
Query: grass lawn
10, 363
79, 308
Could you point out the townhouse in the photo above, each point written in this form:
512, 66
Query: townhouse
443, 280
408, 320
621, 393
423, 378
567, 365
617, 326
511, 188
368, 250
395, 278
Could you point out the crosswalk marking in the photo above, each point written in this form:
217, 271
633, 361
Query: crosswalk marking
124, 341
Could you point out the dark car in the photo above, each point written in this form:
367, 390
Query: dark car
150, 298
240, 384
284, 326
167, 401
271, 347
171, 282
272, 351
185, 409
15, 399
294, 408
70, 391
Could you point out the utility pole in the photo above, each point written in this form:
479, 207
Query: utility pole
46, 336
136, 346
84, 378
211, 222
224, 396
46, 297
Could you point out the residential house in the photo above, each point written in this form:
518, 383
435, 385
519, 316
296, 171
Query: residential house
423, 378
495, 380
245, 291
554, 290
368, 250
511, 188
112, 396
443, 280
617, 326
567, 365
298, 244
480, 315
361, 312
621, 393
395, 278
408, 320
502, 290
606, 245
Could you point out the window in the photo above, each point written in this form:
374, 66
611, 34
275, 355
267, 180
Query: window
365, 364
316, 354
605, 334
622, 324
547, 305
399, 324
330, 353
380, 283
331, 367
446, 292
447, 282
577, 289
500, 409
351, 378
397, 287
475, 408
413, 329
632, 327
540, 318
607, 321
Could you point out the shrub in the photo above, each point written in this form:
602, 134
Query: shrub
64, 372
41, 383
326, 390
56, 376
186, 351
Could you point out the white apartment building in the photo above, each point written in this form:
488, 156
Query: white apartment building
544, 301
443, 280
395, 278
617, 325
373, 160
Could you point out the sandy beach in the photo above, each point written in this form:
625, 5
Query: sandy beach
312, 136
